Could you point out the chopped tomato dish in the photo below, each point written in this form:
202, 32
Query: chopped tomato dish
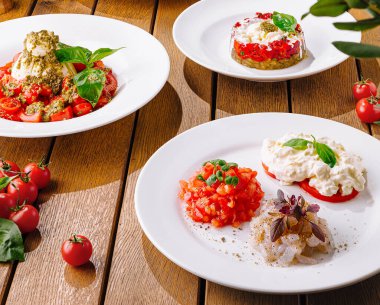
222, 194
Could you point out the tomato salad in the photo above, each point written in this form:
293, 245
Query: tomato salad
50, 81
222, 194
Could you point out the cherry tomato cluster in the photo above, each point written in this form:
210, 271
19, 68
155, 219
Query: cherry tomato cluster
368, 104
20, 191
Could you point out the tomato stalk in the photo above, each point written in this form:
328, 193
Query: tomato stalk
76, 239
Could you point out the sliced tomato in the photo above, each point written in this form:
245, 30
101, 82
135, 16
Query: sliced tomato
103, 100
82, 109
78, 100
336, 198
10, 105
266, 169
99, 64
31, 118
65, 114
110, 86
79, 67
46, 90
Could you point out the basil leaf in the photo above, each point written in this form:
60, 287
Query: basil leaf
73, 55
101, 53
277, 228
232, 164
90, 83
297, 143
225, 167
211, 180
200, 177
325, 153
11, 243
285, 22
355, 49
219, 175
317, 231
232, 180
331, 8
4, 181
357, 3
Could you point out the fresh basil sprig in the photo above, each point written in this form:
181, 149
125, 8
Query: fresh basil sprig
218, 173
11, 243
89, 82
285, 22
324, 151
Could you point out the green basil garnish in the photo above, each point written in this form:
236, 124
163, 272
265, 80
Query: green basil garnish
299, 144
99, 54
90, 83
11, 243
285, 22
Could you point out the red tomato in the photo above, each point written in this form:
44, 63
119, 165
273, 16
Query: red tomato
78, 100
65, 114
336, 198
82, 109
110, 85
31, 93
368, 110
31, 118
39, 173
363, 89
103, 100
77, 250
24, 191
79, 67
266, 169
7, 202
26, 217
46, 90
10, 104
8, 168
99, 64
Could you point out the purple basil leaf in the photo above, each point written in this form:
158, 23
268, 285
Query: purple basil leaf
301, 201
297, 212
313, 208
281, 196
277, 228
285, 210
317, 231
293, 200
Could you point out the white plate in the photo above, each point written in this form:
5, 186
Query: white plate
142, 68
202, 33
355, 225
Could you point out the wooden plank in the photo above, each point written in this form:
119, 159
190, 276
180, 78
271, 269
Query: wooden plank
236, 96
139, 273
329, 95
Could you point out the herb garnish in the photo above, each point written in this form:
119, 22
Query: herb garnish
220, 167
11, 243
285, 22
293, 211
324, 151
89, 82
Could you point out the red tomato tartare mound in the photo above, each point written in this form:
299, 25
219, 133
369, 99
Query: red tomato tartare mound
222, 194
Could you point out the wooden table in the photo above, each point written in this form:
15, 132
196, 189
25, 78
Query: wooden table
95, 174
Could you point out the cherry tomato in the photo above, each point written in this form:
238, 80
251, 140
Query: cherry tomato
24, 189
10, 104
110, 85
31, 93
8, 168
78, 100
31, 118
103, 100
65, 114
7, 202
79, 67
77, 250
336, 198
39, 173
363, 89
368, 110
26, 217
82, 109
46, 90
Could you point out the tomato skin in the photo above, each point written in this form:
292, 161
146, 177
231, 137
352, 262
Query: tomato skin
364, 89
65, 114
103, 100
79, 67
8, 168
40, 175
46, 90
7, 202
82, 109
336, 198
266, 169
78, 100
10, 105
76, 253
23, 191
368, 110
31, 94
31, 118
27, 218
110, 85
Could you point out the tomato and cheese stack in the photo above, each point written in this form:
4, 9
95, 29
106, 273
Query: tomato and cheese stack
268, 41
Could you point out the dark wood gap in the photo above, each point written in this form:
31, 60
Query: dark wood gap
31, 8
214, 92
201, 291
154, 15
302, 299
94, 6
288, 90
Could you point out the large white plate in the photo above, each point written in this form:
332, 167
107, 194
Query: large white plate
202, 33
142, 68
355, 225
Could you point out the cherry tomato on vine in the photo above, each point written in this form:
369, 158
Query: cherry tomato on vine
26, 217
368, 110
39, 173
363, 89
7, 202
8, 168
77, 250
23, 189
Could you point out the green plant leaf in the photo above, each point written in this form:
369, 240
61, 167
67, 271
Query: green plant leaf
90, 83
359, 50
330, 8
211, 180
299, 144
73, 55
285, 22
326, 154
357, 3
99, 54
361, 25
4, 181
11, 243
